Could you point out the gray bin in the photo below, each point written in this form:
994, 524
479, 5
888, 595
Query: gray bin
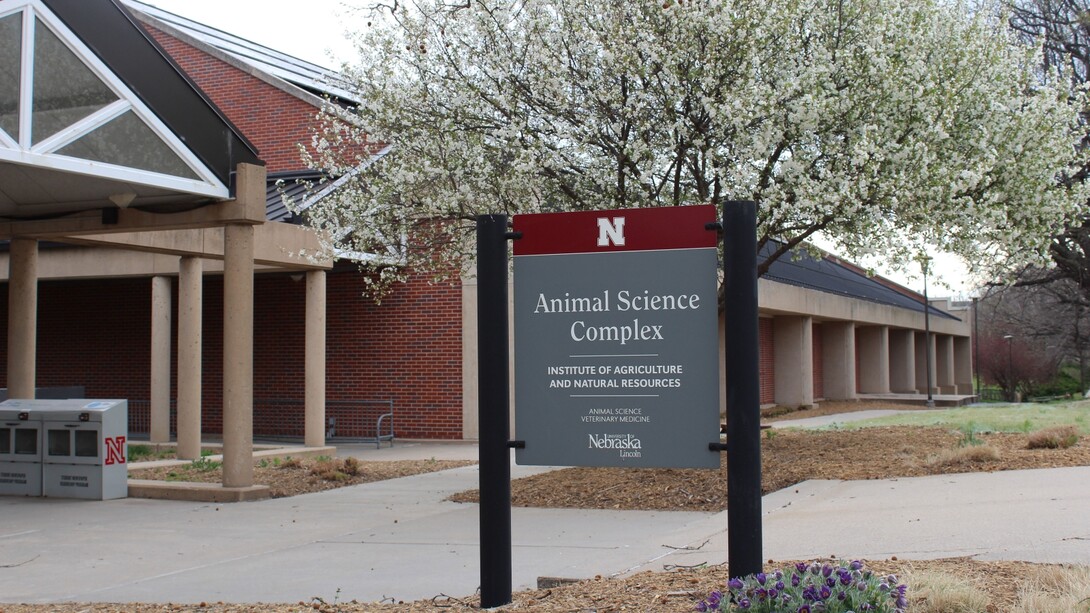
20, 450
84, 449
64, 448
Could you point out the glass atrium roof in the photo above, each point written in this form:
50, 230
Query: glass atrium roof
73, 134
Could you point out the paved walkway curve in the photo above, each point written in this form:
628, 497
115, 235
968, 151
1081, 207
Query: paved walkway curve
399, 539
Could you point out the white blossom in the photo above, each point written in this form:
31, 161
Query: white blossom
888, 125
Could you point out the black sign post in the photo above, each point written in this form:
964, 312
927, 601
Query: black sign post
743, 388
494, 410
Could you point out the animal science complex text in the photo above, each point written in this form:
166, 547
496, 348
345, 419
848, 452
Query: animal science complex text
622, 301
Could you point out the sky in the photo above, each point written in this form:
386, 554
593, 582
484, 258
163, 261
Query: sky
313, 30
316, 31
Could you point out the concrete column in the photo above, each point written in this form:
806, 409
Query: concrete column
838, 360
902, 361
963, 365
160, 359
238, 355
794, 360
22, 317
873, 347
314, 432
944, 364
922, 348
190, 305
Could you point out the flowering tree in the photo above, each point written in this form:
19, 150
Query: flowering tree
1062, 29
887, 125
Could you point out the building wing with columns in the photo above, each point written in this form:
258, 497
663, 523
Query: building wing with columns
133, 297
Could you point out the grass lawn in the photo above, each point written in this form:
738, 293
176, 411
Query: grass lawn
1026, 417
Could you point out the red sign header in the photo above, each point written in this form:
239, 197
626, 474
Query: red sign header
675, 227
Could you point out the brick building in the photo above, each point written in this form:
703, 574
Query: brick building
827, 331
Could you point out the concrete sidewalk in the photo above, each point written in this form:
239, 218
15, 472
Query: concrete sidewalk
399, 539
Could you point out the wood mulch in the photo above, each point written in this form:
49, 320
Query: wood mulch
657, 592
787, 457
296, 476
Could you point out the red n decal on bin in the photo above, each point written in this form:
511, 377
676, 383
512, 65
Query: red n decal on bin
115, 450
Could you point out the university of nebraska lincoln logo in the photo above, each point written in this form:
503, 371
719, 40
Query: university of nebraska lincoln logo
115, 450
611, 232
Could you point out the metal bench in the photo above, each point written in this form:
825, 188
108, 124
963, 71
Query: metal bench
355, 416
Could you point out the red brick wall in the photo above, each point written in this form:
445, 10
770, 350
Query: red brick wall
818, 339
768, 360
97, 334
274, 121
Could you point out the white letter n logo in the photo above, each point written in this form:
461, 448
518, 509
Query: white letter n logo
611, 232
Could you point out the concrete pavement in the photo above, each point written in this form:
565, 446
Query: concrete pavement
399, 539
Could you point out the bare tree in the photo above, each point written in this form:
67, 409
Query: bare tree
1028, 331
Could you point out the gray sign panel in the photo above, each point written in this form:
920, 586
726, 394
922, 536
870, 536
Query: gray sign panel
617, 358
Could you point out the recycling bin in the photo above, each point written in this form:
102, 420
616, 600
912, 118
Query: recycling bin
20, 450
84, 449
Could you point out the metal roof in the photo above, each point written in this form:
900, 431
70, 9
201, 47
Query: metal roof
825, 274
294, 186
311, 77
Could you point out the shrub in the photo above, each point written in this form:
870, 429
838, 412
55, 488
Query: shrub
1060, 437
963, 456
204, 465
351, 466
941, 593
290, 462
809, 588
335, 470
1055, 589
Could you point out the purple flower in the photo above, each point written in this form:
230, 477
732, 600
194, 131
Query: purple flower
846, 579
825, 593
735, 584
830, 582
801, 567
744, 603
779, 585
826, 570
841, 596
855, 565
714, 598
795, 580
804, 609
702, 606
773, 592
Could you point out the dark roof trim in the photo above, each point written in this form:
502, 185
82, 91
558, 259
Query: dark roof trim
113, 34
831, 275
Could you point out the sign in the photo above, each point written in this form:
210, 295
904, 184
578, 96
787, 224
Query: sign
616, 338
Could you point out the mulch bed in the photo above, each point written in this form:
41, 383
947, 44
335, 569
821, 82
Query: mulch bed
787, 457
302, 475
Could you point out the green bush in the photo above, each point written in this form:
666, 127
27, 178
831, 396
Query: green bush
1063, 384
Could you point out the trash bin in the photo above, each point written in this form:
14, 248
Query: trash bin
20, 450
84, 449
